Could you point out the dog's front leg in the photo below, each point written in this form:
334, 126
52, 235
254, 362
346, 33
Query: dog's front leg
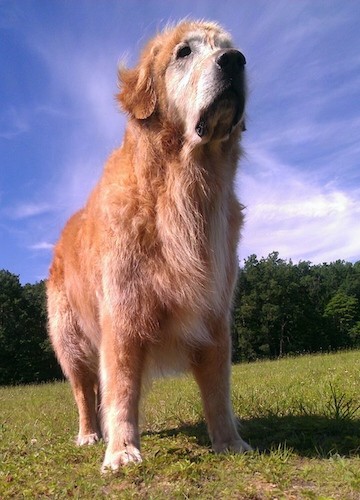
211, 369
121, 366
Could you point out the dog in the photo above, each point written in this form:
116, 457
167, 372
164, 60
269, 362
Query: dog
142, 277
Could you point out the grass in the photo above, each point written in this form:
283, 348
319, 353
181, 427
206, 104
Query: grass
302, 415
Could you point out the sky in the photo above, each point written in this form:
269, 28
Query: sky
300, 176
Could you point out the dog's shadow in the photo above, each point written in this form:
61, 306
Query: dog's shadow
306, 435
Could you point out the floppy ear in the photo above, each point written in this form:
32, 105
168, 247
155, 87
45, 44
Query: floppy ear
137, 94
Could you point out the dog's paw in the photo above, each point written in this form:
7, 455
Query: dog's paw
235, 446
113, 461
87, 439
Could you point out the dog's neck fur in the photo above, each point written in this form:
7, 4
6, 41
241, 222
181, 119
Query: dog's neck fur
186, 202
199, 160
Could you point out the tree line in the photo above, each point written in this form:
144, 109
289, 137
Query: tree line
280, 308
25, 351
283, 308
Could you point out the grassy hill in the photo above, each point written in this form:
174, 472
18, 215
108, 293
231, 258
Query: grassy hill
302, 415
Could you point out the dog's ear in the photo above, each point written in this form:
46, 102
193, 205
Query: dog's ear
137, 93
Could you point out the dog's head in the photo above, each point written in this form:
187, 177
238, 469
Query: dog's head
190, 76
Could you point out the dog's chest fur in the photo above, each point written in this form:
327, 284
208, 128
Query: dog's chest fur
176, 224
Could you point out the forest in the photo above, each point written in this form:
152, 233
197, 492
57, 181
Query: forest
280, 308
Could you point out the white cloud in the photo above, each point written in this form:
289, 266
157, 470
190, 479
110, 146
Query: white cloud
315, 206
291, 212
42, 245
27, 210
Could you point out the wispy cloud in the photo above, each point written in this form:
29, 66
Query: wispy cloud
291, 212
86, 77
88, 80
42, 245
12, 123
27, 210
300, 179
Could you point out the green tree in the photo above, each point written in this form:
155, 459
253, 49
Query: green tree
354, 334
25, 352
41, 363
282, 308
342, 310
11, 320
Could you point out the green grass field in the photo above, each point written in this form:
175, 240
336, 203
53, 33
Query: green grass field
302, 415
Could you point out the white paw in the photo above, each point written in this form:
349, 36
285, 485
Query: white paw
113, 461
236, 446
87, 439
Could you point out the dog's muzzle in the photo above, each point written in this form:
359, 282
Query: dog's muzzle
229, 66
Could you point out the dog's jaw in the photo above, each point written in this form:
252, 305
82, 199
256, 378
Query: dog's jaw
218, 121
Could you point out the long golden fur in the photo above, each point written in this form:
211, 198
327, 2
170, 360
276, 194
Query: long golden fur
142, 277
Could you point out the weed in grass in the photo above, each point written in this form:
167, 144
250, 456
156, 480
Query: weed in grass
340, 407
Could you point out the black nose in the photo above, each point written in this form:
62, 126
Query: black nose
231, 61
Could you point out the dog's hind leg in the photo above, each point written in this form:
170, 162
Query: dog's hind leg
84, 387
211, 368
78, 361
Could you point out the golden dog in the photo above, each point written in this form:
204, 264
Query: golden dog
143, 276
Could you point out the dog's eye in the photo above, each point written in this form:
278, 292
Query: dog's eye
183, 52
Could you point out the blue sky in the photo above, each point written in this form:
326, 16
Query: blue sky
300, 179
